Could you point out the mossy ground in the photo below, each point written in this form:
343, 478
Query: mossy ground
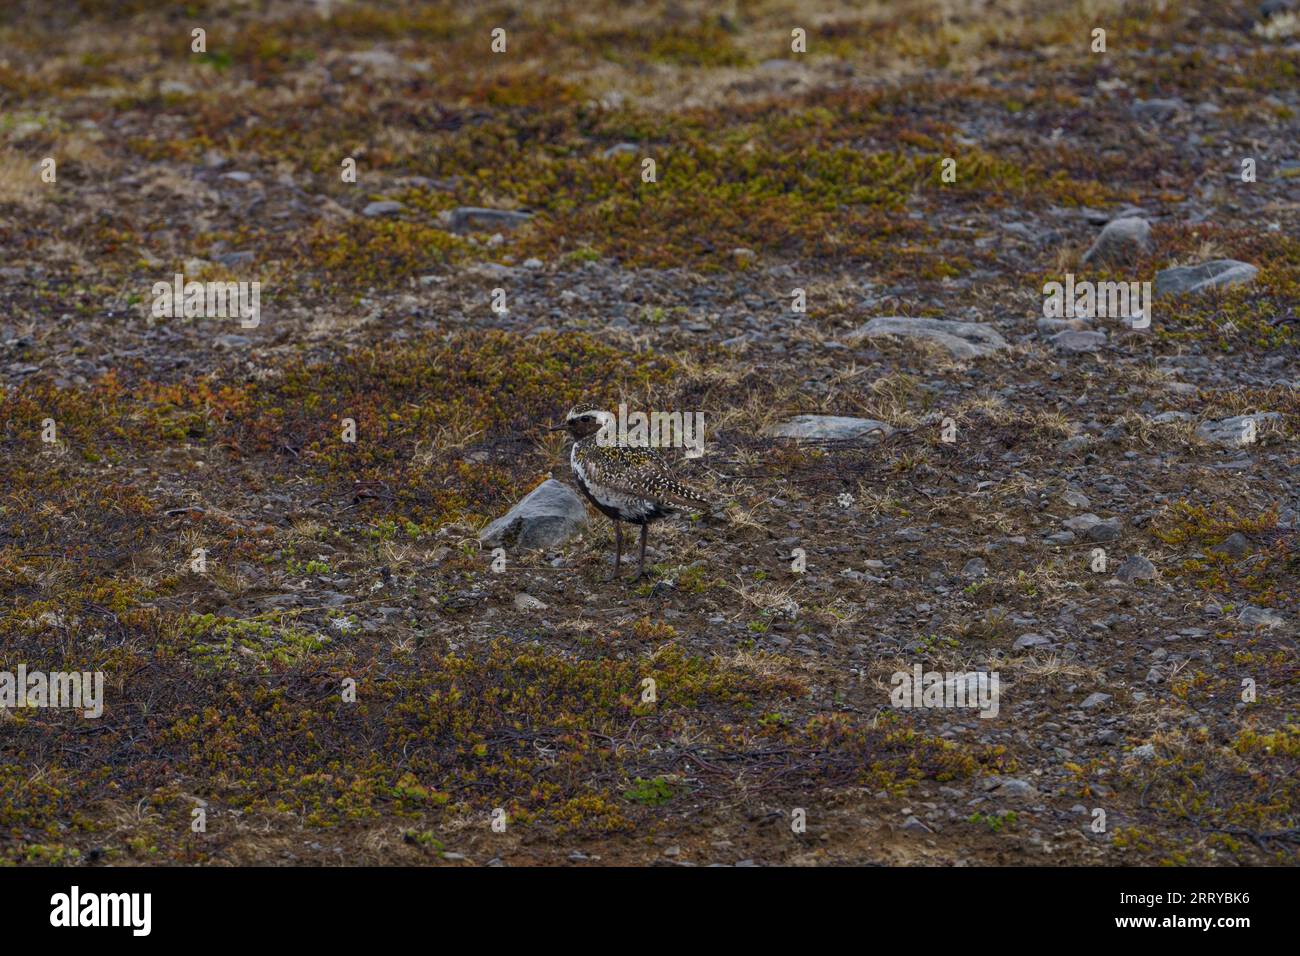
334, 566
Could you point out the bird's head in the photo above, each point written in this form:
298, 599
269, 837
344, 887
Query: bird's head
584, 420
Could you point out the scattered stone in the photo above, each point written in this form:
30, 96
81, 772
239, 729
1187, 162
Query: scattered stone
478, 219
1094, 528
551, 514
1236, 545
1136, 568
1120, 243
387, 207
1026, 641
1157, 110
1049, 327
1072, 341
1232, 432
232, 260
1012, 787
963, 340
1095, 700
526, 602
830, 428
379, 59
1075, 499
1218, 274
1253, 616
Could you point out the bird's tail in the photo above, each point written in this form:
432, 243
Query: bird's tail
689, 497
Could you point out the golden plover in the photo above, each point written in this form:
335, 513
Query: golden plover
625, 482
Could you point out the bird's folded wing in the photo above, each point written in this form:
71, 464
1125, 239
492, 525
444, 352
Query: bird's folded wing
640, 472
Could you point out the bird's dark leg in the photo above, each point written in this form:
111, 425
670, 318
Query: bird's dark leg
618, 549
640, 567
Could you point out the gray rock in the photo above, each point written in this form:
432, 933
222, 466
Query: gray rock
1075, 499
232, 260
387, 207
1157, 110
1104, 531
1026, 641
1095, 700
478, 219
829, 428
1049, 327
381, 59
551, 514
1169, 418
1136, 568
1217, 274
1121, 242
1231, 432
975, 568
1012, 787
1071, 446
1074, 341
1253, 616
526, 602
1235, 545
1094, 528
963, 340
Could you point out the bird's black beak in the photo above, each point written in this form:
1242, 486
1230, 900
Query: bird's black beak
557, 428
